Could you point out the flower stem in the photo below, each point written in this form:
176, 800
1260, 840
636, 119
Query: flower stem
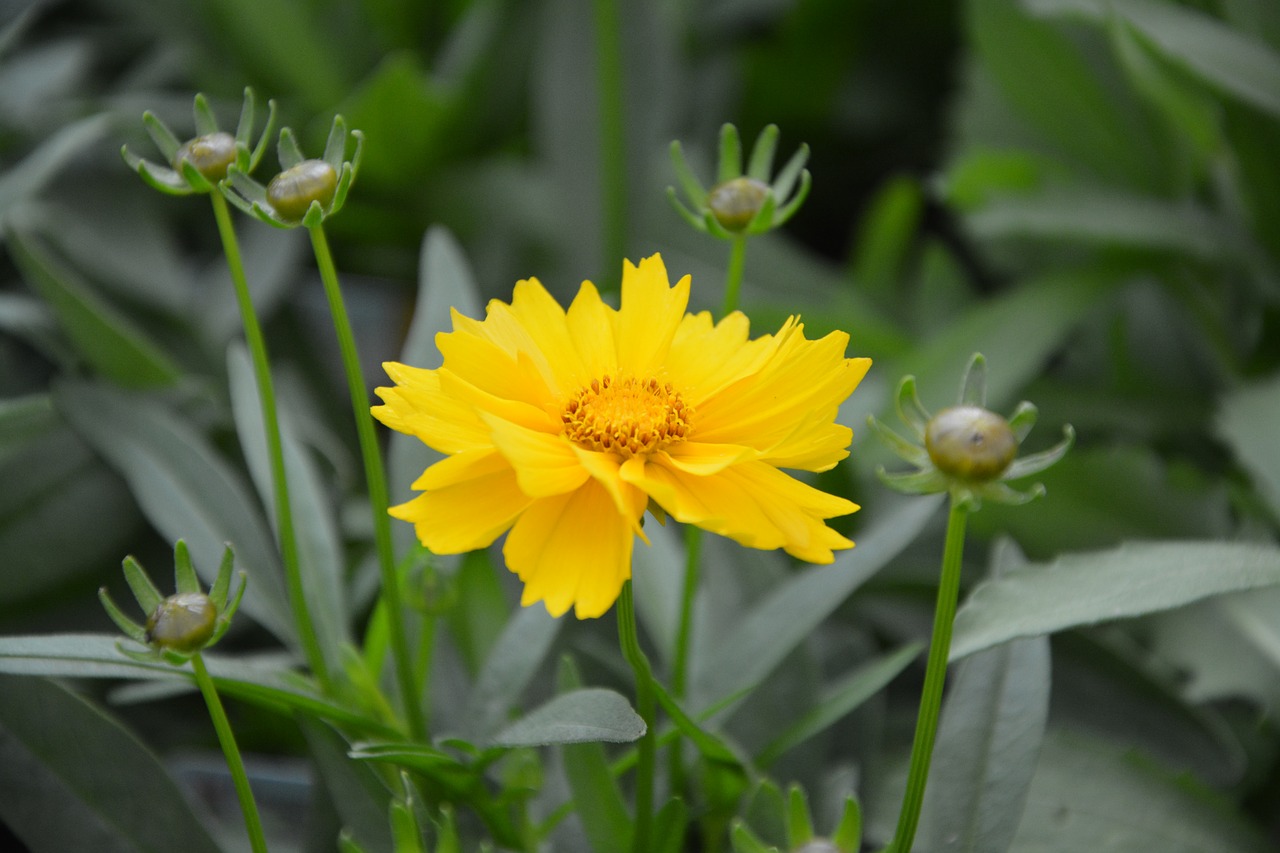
377, 483
613, 153
684, 639
934, 678
275, 448
252, 822
733, 278
646, 749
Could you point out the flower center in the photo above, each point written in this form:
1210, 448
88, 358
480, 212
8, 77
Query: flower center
626, 416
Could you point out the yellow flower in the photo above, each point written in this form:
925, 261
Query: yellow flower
562, 427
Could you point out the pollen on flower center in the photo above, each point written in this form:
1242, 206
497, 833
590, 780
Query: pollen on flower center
627, 416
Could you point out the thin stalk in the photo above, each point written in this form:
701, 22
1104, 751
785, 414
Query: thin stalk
613, 152
275, 448
252, 822
645, 706
934, 677
733, 278
377, 483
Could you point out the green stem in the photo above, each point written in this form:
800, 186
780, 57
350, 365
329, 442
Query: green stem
684, 639
275, 448
377, 482
934, 678
645, 705
733, 278
613, 152
252, 822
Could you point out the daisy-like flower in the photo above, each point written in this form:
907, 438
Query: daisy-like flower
564, 426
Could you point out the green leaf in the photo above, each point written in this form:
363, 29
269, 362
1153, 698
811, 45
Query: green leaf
510, 667
589, 715
1087, 795
290, 49
97, 656
1016, 333
1233, 61
1107, 218
400, 100
840, 699
1246, 421
481, 611
712, 746
886, 239
53, 480
105, 338
1228, 647
1046, 79
596, 798
1147, 497
992, 726
319, 547
355, 789
1084, 589
41, 165
71, 778
184, 488
771, 630
1187, 109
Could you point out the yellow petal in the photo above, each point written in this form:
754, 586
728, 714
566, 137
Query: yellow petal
605, 470
572, 550
544, 321
591, 323
487, 366
802, 382
545, 464
705, 358
466, 465
418, 406
752, 503
816, 445
467, 515
481, 401
651, 312
697, 457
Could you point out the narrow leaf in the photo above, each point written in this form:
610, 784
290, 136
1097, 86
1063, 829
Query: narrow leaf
590, 715
840, 699
766, 635
1084, 589
104, 337
992, 726
72, 778
511, 665
184, 488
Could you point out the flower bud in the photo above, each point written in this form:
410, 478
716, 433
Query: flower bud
182, 622
970, 443
736, 202
292, 191
211, 154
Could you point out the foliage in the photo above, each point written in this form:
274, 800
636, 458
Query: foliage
1085, 191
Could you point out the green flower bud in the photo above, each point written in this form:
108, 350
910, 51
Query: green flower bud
292, 191
970, 443
211, 154
736, 202
182, 622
